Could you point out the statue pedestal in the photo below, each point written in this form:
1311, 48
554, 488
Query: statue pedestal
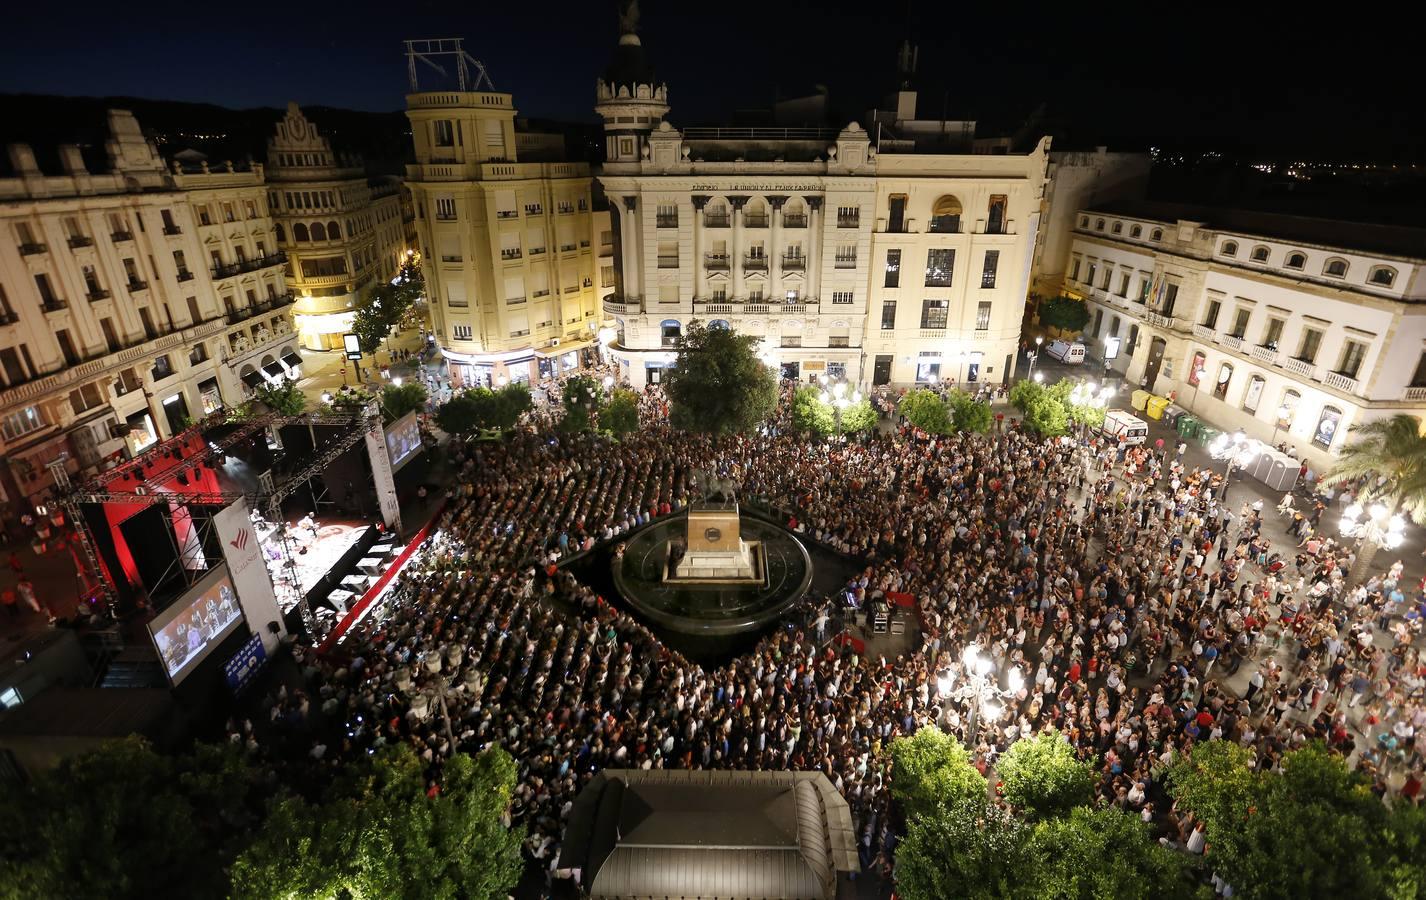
716, 553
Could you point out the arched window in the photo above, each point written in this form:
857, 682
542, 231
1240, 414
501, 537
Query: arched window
1225, 375
1287, 409
299, 233
946, 215
1136, 232
1254, 393
671, 331
1327, 427
1084, 221
1118, 227
1383, 276
1296, 260
1335, 268
1098, 224
334, 231
1260, 254
1157, 235
319, 231
280, 232
720, 323
1230, 248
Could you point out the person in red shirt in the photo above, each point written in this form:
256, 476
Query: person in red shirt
1411, 788
1074, 672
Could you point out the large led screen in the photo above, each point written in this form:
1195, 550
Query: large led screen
194, 625
403, 440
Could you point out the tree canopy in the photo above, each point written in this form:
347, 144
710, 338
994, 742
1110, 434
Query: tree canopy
384, 307
284, 398
1064, 313
581, 400
481, 408
969, 850
1389, 457
620, 415
925, 410
717, 384
398, 401
931, 770
1041, 777
1093, 853
969, 414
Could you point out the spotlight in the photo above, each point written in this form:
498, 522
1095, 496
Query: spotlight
183, 478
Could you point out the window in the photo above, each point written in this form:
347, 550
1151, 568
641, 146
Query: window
1225, 375
1123, 285
934, 313
1240, 322
946, 216
1382, 276
1157, 234
1295, 261
987, 272
1353, 352
1093, 270
47, 297
606, 276
888, 315
670, 331
1114, 327
928, 367
1084, 221
995, 216
1335, 268
982, 315
461, 332
1418, 378
1260, 255
849, 216
1098, 224
22, 422
668, 254
1254, 394
1074, 269
1118, 228
1108, 274
445, 209
1210, 321
846, 256
299, 233
1136, 232
1287, 410
445, 134
1311, 341
940, 267
1229, 248
667, 216
1273, 333
841, 296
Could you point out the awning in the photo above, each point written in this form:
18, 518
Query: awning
562, 349
290, 359
253, 378
274, 371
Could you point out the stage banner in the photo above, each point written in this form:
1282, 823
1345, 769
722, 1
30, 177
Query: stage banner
382, 477
245, 664
243, 551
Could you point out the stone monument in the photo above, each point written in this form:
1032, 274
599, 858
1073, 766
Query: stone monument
714, 551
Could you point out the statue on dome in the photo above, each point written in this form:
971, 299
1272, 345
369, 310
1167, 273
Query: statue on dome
629, 17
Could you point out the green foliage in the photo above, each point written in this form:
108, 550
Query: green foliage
378, 834
809, 414
1093, 853
1389, 456
283, 398
1047, 417
384, 307
971, 850
620, 415
122, 821
931, 771
398, 401
352, 400
1041, 777
926, 410
1314, 829
511, 402
859, 417
969, 414
717, 384
481, 408
1064, 313
1025, 392
580, 400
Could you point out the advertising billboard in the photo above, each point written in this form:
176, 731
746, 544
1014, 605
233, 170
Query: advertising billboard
248, 570
189, 629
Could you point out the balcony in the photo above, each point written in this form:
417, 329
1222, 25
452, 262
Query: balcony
510, 254
8, 317
716, 261
668, 262
945, 225
584, 245
566, 210
507, 214
846, 262
714, 309
1303, 367
514, 301
185, 275
32, 249
755, 263
1265, 354
1414, 393
537, 251
119, 237
1160, 320
566, 248
98, 294
249, 265
172, 230
931, 333
756, 309
849, 221
758, 221
79, 240
789, 309
54, 304
543, 292
1235, 341
614, 306
836, 343
452, 259
534, 210
1340, 381
665, 221
1205, 332
794, 220
794, 263
715, 221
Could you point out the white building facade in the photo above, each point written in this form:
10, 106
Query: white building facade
1290, 329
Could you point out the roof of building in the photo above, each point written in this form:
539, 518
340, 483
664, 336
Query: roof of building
1364, 237
673, 833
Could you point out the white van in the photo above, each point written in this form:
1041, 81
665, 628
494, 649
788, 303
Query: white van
1124, 427
1070, 353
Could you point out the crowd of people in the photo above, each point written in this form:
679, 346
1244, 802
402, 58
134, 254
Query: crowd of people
1118, 582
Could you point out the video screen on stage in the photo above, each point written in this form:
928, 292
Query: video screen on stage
403, 440
190, 629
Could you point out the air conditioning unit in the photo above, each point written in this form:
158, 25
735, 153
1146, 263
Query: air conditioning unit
554, 342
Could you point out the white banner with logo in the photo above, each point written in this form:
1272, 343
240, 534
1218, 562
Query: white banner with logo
382, 477
243, 551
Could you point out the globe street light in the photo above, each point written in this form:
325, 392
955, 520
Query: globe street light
979, 687
1239, 450
839, 400
1374, 528
1034, 355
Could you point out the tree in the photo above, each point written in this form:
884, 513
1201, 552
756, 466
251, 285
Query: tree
379, 833
809, 414
620, 415
511, 402
1023, 393
580, 400
972, 850
1064, 313
1093, 853
969, 414
1389, 458
284, 398
926, 410
398, 401
384, 307
717, 384
930, 771
859, 417
1041, 778
1046, 416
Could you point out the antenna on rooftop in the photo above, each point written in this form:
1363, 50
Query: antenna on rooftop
428, 50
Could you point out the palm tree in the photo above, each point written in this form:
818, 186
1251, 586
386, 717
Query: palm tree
1388, 458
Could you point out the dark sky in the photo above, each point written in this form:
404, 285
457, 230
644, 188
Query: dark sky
1250, 80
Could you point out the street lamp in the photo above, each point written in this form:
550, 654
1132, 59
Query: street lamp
979, 687
839, 400
1034, 355
1375, 528
1239, 450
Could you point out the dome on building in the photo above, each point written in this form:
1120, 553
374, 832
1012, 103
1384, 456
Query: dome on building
630, 66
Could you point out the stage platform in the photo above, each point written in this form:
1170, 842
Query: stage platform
317, 546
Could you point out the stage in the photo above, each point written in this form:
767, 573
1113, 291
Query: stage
317, 547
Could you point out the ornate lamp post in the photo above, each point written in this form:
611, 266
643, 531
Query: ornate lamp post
1239, 450
1375, 528
839, 401
979, 686
1034, 355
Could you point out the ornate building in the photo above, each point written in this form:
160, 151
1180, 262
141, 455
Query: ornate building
135, 295
342, 231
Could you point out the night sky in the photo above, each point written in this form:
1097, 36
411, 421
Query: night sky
1187, 75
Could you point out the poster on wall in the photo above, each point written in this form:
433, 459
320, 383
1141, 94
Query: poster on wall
1195, 369
1327, 427
1253, 394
